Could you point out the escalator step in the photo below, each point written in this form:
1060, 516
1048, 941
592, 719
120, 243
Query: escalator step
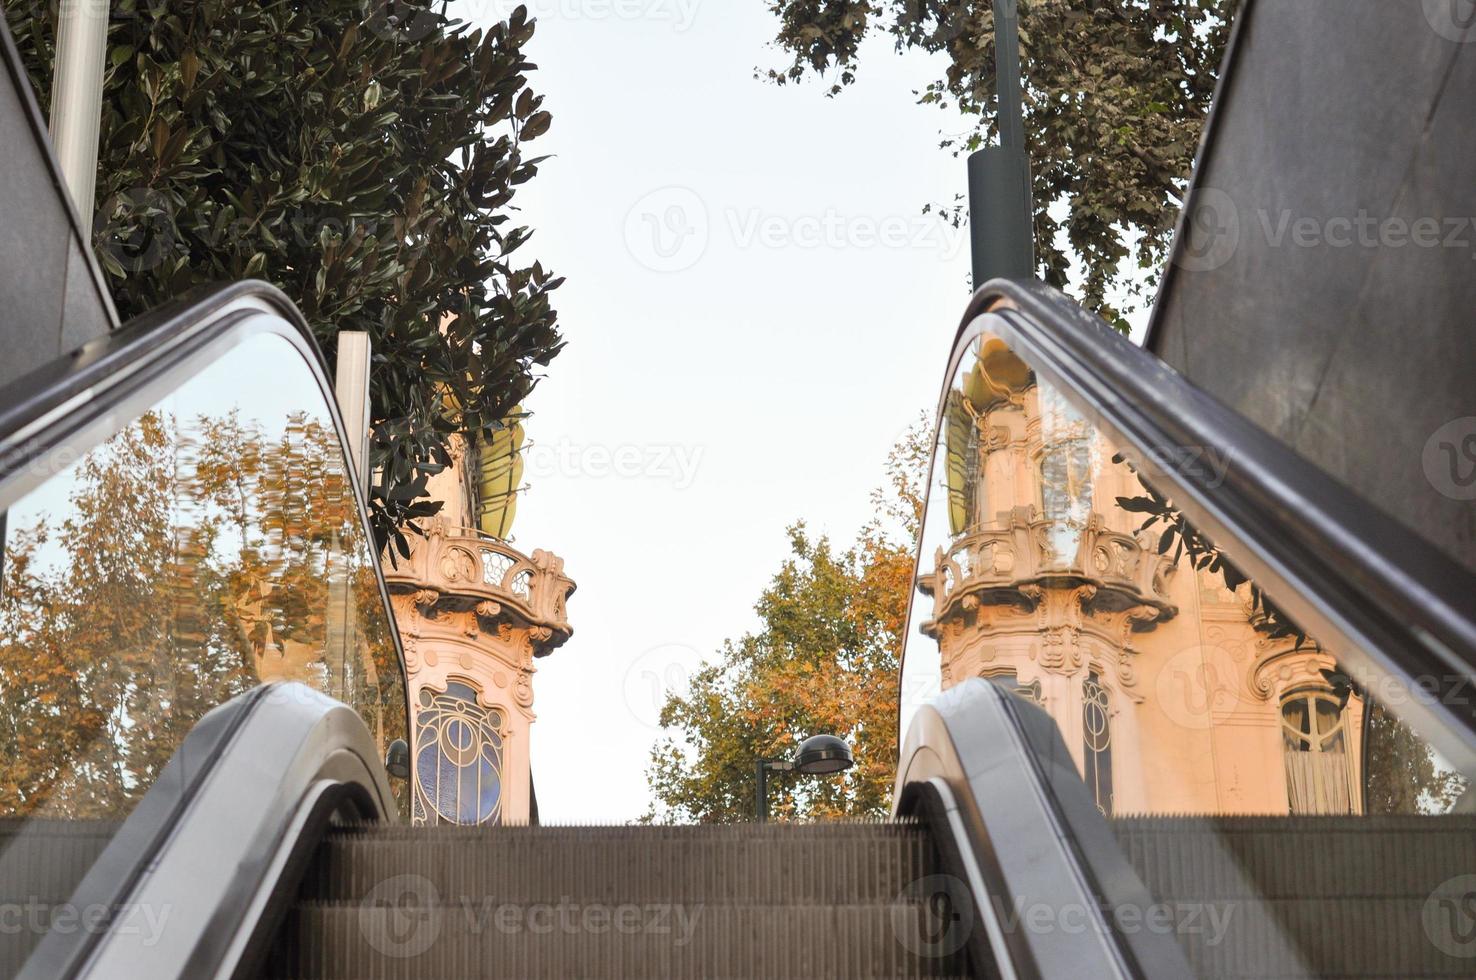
845, 943
1298, 858
1351, 938
1305, 896
773, 864
842, 900
41, 863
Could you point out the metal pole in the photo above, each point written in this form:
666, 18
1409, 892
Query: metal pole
1007, 74
351, 384
1001, 209
761, 798
76, 97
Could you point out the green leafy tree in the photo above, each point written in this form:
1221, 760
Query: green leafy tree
1115, 98
824, 660
362, 156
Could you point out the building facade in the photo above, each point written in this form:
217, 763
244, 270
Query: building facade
1175, 693
475, 614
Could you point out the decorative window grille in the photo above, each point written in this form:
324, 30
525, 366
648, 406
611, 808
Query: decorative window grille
458, 756
1097, 742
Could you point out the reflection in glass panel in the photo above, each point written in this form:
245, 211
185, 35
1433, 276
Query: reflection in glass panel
459, 766
1096, 746
211, 545
1180, 688
1083, 582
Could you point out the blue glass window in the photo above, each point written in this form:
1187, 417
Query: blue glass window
458, 756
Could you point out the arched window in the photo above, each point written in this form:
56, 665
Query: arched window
458, 758
1316, 753
1096, 753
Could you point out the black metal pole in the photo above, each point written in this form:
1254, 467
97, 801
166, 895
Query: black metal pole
761, 798
1001, 211
1007, 74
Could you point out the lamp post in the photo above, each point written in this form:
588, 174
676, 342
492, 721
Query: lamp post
818, 755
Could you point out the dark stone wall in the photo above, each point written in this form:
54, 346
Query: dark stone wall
51, 297
1325, 279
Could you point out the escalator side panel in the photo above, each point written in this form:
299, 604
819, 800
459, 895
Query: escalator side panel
194, 907
1041, 844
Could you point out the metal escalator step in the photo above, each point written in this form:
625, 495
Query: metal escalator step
1361, 938
1306, 896
41, 863
771, 942
1298, 857
841, 863
43, 860
842, 900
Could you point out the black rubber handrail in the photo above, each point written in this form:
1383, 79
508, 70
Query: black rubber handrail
1347, 573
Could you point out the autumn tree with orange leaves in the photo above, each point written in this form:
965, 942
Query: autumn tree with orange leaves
825, 660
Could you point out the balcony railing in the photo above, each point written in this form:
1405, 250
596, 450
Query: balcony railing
465, 567
998, 565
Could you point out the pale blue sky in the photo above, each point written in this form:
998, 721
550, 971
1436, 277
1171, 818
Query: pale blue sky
748, 368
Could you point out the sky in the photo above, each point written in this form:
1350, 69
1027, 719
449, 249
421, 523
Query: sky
756, 308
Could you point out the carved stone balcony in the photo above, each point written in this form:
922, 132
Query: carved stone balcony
1010, 565
456, 569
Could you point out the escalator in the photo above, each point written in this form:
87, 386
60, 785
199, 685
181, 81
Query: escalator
771, 900
1172, 703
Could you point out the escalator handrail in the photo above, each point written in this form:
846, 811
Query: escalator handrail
80, 399
1345, 572
275, 765
1048, 884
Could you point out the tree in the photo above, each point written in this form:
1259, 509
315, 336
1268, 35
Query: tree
1115, 98
824, 660
365, 163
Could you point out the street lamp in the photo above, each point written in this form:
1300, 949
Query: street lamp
818, 755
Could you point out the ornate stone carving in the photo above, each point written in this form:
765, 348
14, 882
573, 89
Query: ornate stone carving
1280, 666
463, 569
